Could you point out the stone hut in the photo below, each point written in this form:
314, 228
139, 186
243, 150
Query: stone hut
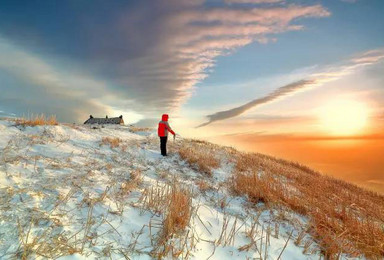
105, 121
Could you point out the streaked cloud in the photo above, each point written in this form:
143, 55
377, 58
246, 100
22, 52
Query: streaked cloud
265, 136
328, 74
369, 57
189, 41
375, 181
6, 114
148, 57
278, 93
253, 1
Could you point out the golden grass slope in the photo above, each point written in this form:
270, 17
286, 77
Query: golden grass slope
343, 218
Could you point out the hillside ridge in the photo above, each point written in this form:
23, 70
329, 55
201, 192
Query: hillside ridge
75, 192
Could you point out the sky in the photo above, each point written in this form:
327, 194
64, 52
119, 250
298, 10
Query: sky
245, 69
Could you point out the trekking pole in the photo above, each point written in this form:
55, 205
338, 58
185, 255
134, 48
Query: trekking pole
174, 137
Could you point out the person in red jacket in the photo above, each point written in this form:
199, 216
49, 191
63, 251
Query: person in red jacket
162, 132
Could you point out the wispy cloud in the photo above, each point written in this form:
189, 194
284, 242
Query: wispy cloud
43, 88
190, 38
375, 181
328, 74
349, 1
146, 57
6, 114
280, 92
253, 1
294, 136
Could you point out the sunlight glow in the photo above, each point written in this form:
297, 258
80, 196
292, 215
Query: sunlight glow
130, 117
344, 117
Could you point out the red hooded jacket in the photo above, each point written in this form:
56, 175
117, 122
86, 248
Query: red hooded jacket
164, 127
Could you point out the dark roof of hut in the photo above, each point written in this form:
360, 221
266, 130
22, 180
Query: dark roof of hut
103, 121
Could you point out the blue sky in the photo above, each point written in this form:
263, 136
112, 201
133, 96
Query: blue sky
187, 58
351, 28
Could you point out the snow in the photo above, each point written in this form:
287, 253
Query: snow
59, 185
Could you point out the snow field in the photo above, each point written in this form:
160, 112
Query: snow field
66, 195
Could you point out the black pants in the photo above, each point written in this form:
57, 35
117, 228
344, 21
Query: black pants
163, 145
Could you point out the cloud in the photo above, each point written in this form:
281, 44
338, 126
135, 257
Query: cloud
280, 92
146, 56
293, 136
349, 1
375, 181
6, 114
253, 1
369, 57
316, 79
42, 88
189, 40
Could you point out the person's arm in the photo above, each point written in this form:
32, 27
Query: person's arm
169, 128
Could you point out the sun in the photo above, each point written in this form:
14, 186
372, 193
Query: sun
344, 117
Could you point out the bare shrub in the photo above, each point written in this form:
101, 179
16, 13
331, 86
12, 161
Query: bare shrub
37, 120
113, 142
343, 218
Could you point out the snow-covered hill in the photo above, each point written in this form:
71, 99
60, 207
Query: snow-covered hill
81, 192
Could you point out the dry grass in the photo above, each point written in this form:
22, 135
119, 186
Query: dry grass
200, 155
122, 189
37, 120
135, 129
155, 197
175, 204
178, 212
343, 217
173, 201
126, 187
203, 185
45, 243
113, 142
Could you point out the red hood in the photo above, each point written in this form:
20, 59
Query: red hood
164, 117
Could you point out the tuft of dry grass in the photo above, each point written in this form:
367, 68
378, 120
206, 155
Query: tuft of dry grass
113, 142
178, 212
37, 120
344, 218
177, 218
175, 204
155, 197
173, 201
201, 155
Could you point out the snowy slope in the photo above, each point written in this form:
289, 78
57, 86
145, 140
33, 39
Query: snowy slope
64, 194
